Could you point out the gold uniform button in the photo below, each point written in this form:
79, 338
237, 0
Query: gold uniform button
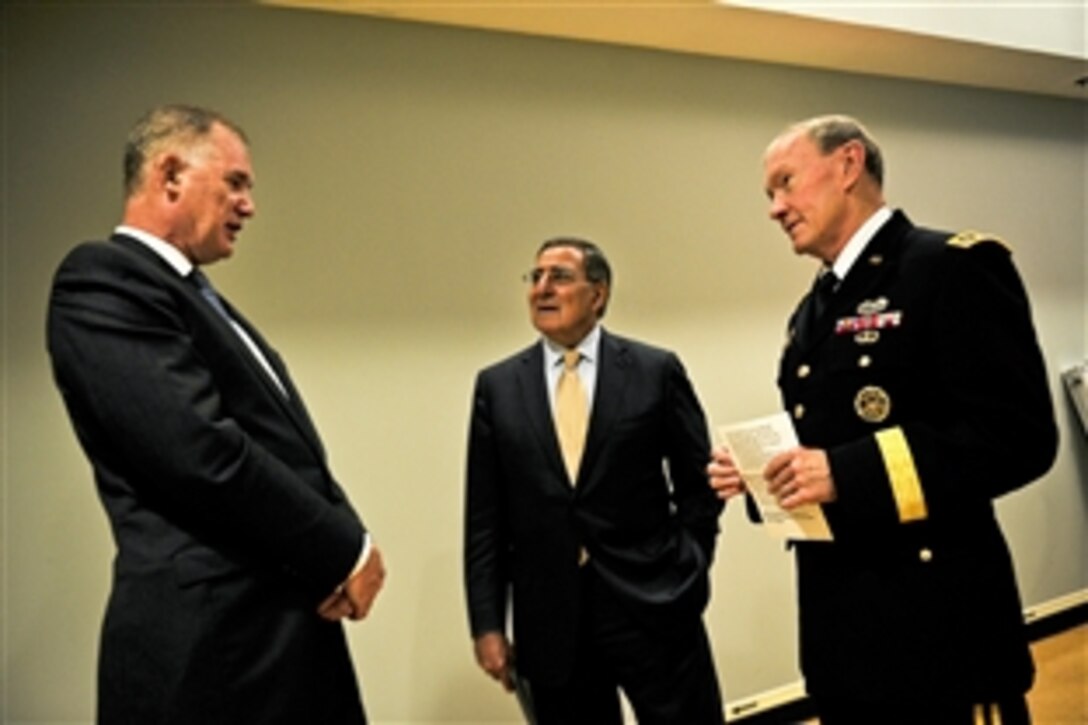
864, 361
925, 555
803, 371
583, 556
798, 411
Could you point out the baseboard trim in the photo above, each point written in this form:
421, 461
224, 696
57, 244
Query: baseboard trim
785, 704
790, 704
1057, 615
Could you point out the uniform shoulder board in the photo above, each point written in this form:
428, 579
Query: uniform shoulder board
970, 238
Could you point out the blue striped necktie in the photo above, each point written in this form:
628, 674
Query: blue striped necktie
208, 292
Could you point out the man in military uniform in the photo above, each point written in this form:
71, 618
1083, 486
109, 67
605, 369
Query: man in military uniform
918, 391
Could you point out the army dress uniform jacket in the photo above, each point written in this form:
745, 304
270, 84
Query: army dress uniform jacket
925, 384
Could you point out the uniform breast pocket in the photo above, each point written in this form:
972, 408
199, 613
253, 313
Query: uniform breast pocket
873, 373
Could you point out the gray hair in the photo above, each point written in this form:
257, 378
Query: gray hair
168, 124
831, 132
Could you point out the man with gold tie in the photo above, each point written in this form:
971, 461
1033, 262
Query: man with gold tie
587, 513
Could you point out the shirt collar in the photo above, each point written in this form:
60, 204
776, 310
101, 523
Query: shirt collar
858, 242
588, 347
169, 253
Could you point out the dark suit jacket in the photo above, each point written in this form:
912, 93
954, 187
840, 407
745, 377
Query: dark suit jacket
925, 607
229, 526
649, 535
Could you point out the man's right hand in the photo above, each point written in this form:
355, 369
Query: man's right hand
354, 597
363, 586
724, 477
495, 656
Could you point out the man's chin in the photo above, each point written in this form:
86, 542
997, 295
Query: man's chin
801, 246
543, 327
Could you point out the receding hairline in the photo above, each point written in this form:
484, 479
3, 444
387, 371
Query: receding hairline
594, 260
170, 128
830, 132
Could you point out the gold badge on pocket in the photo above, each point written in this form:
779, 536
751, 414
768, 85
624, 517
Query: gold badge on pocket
873, 404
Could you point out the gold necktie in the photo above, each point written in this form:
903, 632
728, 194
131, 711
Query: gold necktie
570, 413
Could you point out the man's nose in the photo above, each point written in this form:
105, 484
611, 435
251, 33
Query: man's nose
543, 288
247, 207
778, 208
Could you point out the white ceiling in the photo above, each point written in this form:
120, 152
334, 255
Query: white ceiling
710, 28
1057, 27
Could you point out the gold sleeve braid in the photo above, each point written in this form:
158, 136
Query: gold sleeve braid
902, 474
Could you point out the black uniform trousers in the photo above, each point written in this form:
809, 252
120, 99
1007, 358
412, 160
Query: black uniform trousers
1007, 711
668, 676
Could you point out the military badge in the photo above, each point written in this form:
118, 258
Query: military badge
871, 321
872, 307
968, 239
867, 337
873, 404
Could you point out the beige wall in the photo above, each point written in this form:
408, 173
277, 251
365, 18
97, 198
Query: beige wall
405, 175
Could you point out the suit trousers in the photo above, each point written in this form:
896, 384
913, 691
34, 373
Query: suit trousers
666, 671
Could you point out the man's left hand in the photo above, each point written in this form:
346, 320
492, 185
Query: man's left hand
800, 476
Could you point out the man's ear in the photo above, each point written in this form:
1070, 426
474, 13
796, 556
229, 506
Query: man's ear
853, 162
600, 298
168, 170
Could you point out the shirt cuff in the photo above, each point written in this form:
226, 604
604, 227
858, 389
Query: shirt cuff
363, 555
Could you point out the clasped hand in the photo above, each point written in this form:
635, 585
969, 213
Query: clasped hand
354, 598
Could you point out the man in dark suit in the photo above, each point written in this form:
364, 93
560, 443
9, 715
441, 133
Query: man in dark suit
919, 395
237, 552
598, 525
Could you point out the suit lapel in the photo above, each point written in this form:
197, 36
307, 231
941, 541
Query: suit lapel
869, 272
538, 411
866, 271
613, 370
805, 329
293, 406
